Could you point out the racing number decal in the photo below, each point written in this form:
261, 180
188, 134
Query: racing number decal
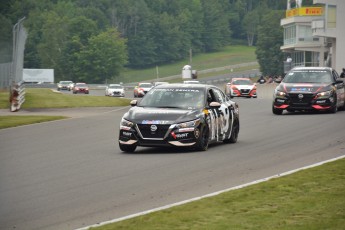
219, 122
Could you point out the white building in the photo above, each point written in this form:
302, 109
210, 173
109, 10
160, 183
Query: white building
315, 36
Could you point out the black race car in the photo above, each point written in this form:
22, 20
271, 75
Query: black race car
180, 115
308, 89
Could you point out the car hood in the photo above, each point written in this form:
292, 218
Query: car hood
115, 90
303, 87
149, 115
146, 88
244, 86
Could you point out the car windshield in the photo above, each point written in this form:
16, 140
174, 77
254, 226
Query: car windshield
65, 82
81, 85
174, 98
308, 76
115, 87
242, 82
145, 85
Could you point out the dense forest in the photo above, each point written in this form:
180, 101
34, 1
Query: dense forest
89, 40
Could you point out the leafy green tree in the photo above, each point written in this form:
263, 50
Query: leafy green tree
103, 58
5, 39
216, 32
270, 39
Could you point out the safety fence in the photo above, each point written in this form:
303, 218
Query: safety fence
5, 75
17, 89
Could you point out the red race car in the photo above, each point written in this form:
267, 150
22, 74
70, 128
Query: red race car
80, 88
241, 87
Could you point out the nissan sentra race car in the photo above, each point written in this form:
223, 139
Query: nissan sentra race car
180, 115
309, 88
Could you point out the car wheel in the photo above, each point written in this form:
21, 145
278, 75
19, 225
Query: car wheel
277, 111
127, 148
234, 132
202, 144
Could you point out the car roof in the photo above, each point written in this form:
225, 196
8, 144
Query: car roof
311, 68
240, 78
184, 85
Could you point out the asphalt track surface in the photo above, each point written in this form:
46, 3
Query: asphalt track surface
70, 173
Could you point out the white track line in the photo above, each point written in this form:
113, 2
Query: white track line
210, 194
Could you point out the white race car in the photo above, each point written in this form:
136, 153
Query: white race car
115, 90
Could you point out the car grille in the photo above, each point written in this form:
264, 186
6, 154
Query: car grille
145, 130
245, 91
304, 102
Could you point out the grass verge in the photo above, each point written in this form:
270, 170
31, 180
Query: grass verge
309, 199
230, 55
46, 98
14, 121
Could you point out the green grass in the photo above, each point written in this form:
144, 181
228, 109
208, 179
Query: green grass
46, 98
14, 121
230, 55
309, 199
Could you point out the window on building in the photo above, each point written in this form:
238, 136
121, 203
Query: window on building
305, 33
290, 35
331, 16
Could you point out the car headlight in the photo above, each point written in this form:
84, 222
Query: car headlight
126, 123
188, 124
278, 93
325, 94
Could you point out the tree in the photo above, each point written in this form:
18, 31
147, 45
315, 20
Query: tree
103, 58
216, 32
270, 38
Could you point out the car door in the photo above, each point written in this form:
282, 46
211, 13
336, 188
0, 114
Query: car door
340, 89
220, 126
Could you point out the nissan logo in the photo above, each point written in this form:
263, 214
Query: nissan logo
153, 128
300, 96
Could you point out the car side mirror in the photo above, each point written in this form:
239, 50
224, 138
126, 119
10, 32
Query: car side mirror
134, 102
339, 81
215, 104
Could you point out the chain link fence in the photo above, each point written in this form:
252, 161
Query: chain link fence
11, 74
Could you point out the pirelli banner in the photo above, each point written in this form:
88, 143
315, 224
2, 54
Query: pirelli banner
305, 11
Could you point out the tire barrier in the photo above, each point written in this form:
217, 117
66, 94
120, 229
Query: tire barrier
17, 96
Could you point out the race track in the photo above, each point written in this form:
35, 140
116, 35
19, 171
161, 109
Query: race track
70, 173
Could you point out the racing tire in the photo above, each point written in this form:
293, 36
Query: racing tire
234, 132
127, 148
202, 143
277, 111
334, 108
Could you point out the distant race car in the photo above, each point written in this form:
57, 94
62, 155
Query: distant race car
240, 87
141, 89
80, 88
65, 85
180, 115
308, 89
115, 90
